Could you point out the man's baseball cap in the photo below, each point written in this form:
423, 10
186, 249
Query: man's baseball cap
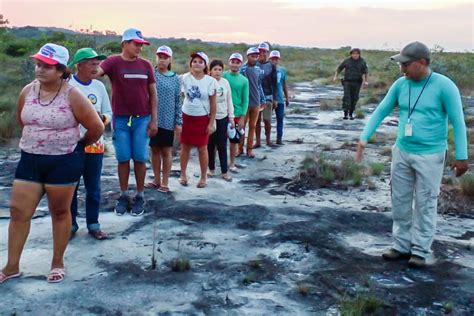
84, 54
52, 54
201, 55
354, 49
252, 50
275, 54
411, 52
165, 50
237, 56
134, 35
264, 46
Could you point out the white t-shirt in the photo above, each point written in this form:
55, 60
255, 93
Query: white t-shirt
96, 93
197, 93
225, 107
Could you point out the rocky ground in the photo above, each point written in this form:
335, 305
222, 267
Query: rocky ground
255, 246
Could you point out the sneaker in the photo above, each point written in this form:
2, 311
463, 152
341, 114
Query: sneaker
417, 262
122, 206
395, 255
351, 117
138, 206
279, 141
345, 117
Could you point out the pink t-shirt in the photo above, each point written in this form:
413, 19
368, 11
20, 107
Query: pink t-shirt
51, 129
130, 81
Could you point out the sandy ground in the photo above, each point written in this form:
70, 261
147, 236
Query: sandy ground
254, 246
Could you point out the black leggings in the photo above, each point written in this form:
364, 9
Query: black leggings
218, 139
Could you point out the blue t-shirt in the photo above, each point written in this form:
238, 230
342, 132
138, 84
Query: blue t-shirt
281, 79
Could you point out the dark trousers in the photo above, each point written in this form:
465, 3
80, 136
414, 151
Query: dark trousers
218, 139
280, 114
351, 95
91, 177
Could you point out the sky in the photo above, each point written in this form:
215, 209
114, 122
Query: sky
375, 24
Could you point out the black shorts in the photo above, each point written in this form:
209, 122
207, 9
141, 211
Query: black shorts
164, 138
51, 169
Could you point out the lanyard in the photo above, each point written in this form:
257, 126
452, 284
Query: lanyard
411, 110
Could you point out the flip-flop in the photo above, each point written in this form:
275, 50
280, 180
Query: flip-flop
163, 189
233, 169
183, 182
251, 156
256, 146
4, 277
201, 185
152, 185
56, 275
227, 178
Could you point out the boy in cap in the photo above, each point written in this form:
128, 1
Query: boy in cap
239, 85
282, 94
425, 100
87, 62
355, 73
269, 86
256, 96
134, 105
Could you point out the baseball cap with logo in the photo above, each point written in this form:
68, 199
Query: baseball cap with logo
52, 54
134, 35
201, 55
411, 52
252, 50
165, 50
237, 56
275, 54
264, 46
84, 54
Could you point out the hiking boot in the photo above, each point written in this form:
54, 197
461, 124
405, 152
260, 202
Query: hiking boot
395, 255
138, 207
122, 206
345, 116
417, 262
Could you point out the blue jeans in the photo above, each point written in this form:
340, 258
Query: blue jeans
280, 114
130, 137
91, 177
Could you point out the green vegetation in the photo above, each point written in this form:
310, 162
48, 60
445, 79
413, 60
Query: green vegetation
360, 114
360, 305
302, 64
377, 168
180, 265
467, 185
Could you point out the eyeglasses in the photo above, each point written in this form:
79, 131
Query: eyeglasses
407, 63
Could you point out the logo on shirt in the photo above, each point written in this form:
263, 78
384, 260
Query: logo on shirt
93, 98
220, 91
193, 93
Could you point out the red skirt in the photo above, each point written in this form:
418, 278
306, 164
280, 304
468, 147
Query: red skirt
194, 131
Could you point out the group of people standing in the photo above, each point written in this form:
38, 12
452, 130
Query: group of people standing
62, 133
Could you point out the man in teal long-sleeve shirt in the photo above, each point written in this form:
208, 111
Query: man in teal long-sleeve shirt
425, 100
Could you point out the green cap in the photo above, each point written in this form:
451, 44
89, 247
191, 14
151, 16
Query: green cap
412, 51
83, 54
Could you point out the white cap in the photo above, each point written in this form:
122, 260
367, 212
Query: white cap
165, 50
236, 56
52, 54
264, 46
134, 35
252, 50
202, 55
275, 54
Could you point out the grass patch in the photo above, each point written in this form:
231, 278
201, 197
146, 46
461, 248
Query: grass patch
180, 265
360, 305
467, 185
329, 104
360, 114
376, 168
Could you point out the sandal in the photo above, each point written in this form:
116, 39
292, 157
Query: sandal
152, 185
56, 275
183, 182
201, 185
210, 174
227, 178
256, 146
98, 234
163, 189
233, 169
250, 155
4, 277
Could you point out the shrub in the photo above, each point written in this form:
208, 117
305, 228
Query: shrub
17, 48
377, 168
360, 305
328, 104
360, 114
467, 185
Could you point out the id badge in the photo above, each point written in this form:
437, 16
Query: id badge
408, 130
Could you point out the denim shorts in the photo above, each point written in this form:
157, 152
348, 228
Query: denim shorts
130, 137
51, 169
